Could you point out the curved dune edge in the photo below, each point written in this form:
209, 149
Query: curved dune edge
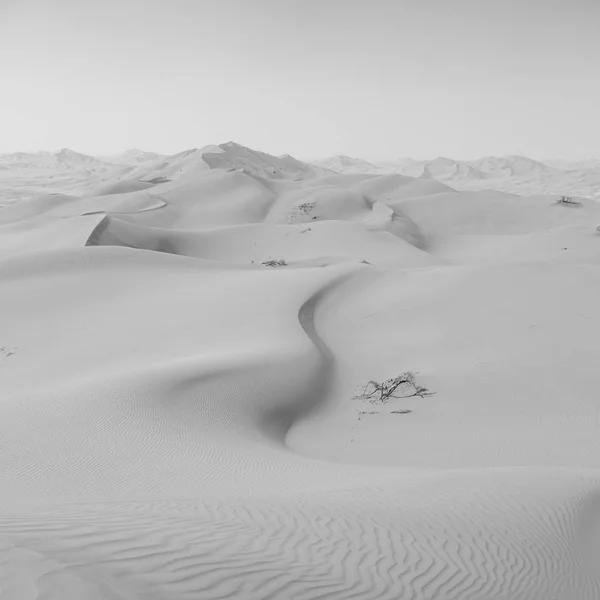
203, 499
256, 243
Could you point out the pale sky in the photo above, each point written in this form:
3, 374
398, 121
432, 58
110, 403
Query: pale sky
378, 79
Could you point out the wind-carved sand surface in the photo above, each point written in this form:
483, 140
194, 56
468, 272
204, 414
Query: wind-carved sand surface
179, 421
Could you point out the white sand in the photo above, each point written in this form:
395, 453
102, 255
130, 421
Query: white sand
177, 420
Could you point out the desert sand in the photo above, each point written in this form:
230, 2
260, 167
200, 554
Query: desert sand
183, 340
512, 173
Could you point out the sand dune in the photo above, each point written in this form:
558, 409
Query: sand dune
121, 187
230, 156
42, 234
260, 243
178, 420
513, 174
396, 187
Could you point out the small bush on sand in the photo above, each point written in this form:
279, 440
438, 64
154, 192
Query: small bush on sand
274, 263
401, 386
568, 201
301, 211
305, 208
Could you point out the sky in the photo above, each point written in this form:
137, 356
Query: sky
378, 79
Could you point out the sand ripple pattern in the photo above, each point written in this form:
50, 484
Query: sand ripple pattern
359, 543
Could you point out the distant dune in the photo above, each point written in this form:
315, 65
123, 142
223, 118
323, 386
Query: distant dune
516, 174
64, 160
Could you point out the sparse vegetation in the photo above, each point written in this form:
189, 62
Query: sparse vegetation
568, 201
301, 210
306, 207
404, 385
362, 413
274, 263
